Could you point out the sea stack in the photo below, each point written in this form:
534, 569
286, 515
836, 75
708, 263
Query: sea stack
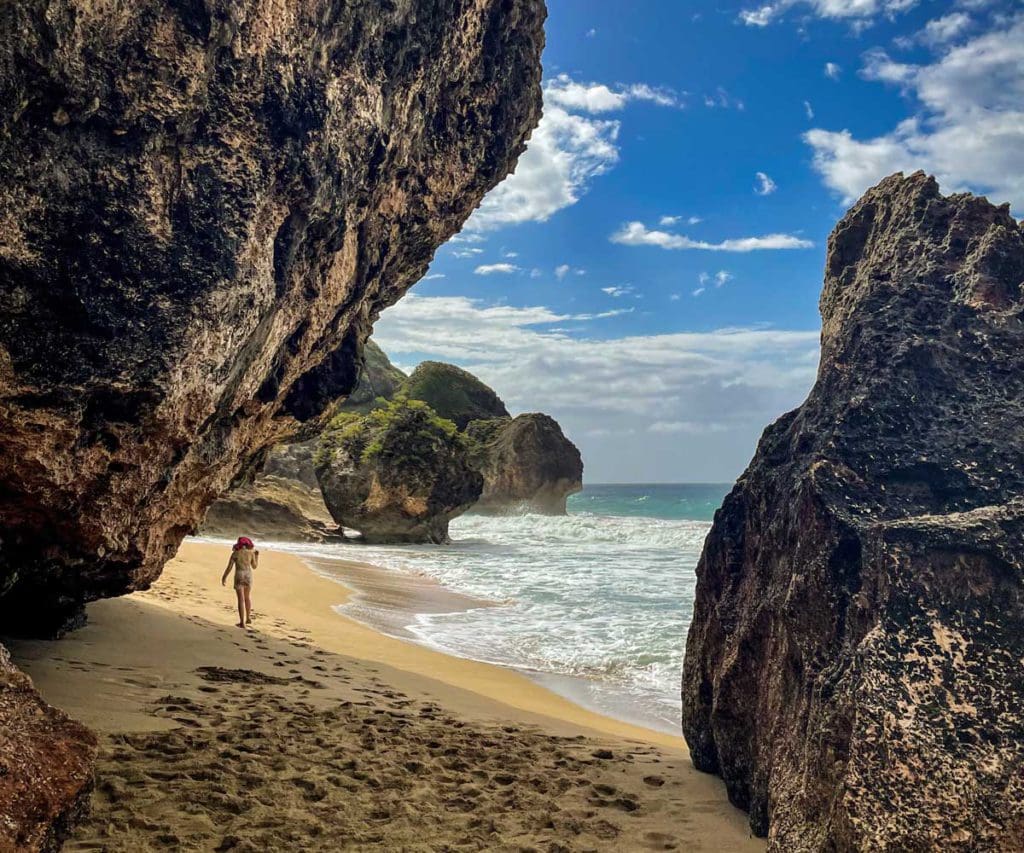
853, 669
397, 474
528, 464
204, 208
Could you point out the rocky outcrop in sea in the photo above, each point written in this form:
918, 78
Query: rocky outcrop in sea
853, 668
527, 463
455, 394
283, 500
397, 474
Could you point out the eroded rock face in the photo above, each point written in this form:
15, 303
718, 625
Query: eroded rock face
271, 507
46, 763
204, 207
528, 465
853, 669
282, 502
398, 474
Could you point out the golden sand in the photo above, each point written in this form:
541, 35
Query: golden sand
315, 732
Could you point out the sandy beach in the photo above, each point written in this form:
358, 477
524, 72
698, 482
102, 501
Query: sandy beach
312, 731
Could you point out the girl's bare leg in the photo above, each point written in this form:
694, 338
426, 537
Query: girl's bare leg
241, 608
248, 605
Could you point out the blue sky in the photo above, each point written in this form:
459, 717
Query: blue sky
650, 274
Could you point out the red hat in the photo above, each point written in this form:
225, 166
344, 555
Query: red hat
243, 542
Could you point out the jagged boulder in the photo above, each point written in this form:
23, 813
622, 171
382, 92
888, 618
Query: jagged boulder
527, 463
853, 668
397, 474
454, 393
46, 763
204, 208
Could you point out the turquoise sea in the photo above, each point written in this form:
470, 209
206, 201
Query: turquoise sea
595, 604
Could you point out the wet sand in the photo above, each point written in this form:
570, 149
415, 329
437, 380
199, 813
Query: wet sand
315, 732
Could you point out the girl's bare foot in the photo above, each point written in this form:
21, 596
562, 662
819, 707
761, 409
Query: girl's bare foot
240, 625
248, 620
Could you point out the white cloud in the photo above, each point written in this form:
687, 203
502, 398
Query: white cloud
510, 254
568, 149
698, 291
564, 154
563, 91
669, 220
619, 290
561, 271
721, 98
637, 234
496, 269
968, 129
433, 276
694, 220
945, 29
833, 70
765, 185
738, 378
591, 33
721, 277
858, 12
809, 110
467, 237
675, 297
467, 253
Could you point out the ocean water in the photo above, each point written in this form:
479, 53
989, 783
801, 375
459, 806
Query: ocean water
596, 603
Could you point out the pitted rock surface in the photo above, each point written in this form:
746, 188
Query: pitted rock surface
855, 665
204, 207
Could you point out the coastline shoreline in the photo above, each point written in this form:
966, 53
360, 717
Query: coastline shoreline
390, 601
379, 600
177, 695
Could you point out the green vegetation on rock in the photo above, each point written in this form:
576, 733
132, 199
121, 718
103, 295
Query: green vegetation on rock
399, 473
453, 393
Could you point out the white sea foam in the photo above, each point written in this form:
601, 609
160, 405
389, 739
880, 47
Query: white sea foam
598, 597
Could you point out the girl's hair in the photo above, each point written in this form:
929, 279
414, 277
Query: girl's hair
243, 542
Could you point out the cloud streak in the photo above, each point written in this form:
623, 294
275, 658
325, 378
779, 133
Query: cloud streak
571, 146
638, 234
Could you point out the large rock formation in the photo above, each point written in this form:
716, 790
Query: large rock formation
45, 766
398, 474
271, 507
283, 501
378, 379
854, 666
527, 462
204, 207
454, 393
